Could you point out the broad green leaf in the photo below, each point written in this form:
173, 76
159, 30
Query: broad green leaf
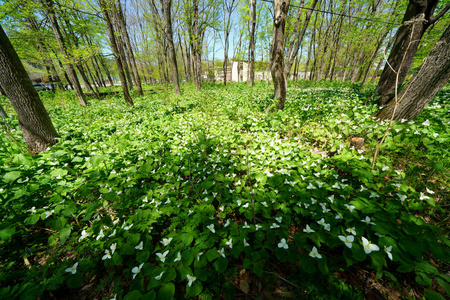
64, 234
167, 291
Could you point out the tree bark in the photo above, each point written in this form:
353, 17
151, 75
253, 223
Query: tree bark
293, 50
129, 49
281, 8
117, 56
418, 17
166, 7
70, 67
251, 63
432, 75
34, 121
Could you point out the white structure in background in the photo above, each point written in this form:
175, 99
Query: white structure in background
239, 72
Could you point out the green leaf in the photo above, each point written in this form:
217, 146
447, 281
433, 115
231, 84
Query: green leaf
96, 160
64, 234
116, 259
31, 220
142, 256
212, 254
445, 285
167, 291
75, 281
169, 275
195, 289
133, 295
187, 238
432, 295
307, 264
258, 268
221, 264
7, 233
11, 176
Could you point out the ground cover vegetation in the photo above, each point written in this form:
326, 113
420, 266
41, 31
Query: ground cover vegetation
204, 195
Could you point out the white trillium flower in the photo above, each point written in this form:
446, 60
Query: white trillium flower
314, 253
388, 251
140, 246
166, 242
107, 255
368, 247
159, 276
274, 225
227, 223
72, 269
190, 279
32, 210
283, 244
308, 229
112, 234
198, 255
113, 248
49, 213
429, 191
367, 221
348, 240
246, 225
423, 196
326, 226
100, 234
230, 243
136, 270
162, 256
178, 258
84, 235
246, 244
221, 252
321, 222
351, 230
426, 123
211, 227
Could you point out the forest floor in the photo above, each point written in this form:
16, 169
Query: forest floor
205, 196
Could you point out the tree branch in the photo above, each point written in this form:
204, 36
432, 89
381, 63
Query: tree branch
440, 14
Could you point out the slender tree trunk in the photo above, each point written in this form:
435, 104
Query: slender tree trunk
117, 55
166, 7
294, 50
431, 77
108, 74
70, 67
277, 56
34, 122
129, 49
251, 63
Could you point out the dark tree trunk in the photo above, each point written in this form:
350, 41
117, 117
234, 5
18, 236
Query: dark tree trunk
432, 75
34, 121
117, 56
251, 63
166, 7
277, 56
418, 17
59, 38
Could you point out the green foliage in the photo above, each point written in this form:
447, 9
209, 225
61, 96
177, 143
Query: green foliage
168, 198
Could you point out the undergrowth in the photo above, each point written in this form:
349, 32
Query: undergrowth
204, 195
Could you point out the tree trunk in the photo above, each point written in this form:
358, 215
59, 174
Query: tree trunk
129, 49
418, 17
34, 121
166, 7
281, 8
293, 51
59, 38
432, 75
251, 63
117, 55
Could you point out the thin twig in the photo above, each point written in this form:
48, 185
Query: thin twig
395, 98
